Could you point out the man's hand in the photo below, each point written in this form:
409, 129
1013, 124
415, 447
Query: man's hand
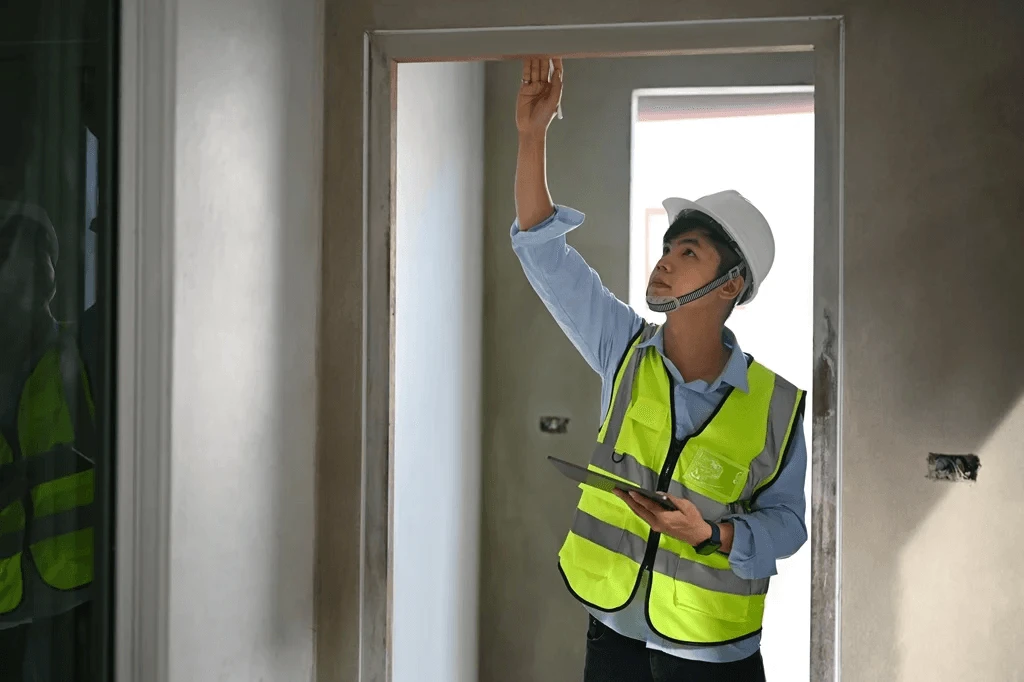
539, 96
684, 523
535, 107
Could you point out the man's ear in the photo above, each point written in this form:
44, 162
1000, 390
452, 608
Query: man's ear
732, 288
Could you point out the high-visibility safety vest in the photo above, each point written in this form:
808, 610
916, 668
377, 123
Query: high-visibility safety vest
691, 598
46, 487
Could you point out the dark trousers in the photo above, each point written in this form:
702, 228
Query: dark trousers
614, 658
53, 649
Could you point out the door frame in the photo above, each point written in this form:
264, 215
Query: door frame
383, 51
145, 244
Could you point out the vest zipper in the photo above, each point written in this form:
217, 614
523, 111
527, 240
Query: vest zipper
665, 478
672, 459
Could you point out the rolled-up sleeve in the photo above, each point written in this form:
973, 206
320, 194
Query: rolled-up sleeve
774, 528
594, 320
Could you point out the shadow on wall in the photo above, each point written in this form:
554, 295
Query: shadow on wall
933, 330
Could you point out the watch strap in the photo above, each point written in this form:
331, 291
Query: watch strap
713, 543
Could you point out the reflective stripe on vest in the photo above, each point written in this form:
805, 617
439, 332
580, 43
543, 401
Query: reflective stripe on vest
53, 477
691, 598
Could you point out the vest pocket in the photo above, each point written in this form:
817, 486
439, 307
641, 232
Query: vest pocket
719, 606
715, 476
644, 426
687, 613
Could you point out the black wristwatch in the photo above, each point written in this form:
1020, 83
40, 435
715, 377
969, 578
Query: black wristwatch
713, 543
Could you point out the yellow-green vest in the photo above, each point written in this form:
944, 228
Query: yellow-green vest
691, 599
46, 486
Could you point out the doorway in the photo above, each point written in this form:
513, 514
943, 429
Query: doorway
383, 247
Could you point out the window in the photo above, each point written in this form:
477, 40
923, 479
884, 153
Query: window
57, 256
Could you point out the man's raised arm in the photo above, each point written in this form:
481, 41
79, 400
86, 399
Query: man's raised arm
597, 323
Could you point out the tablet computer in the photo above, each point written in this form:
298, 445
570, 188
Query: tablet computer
607, 483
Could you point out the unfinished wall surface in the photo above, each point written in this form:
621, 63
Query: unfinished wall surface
246, 270
438, 310
934, 153
532, 370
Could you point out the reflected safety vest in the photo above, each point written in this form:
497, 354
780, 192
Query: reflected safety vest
691, 599
46, 486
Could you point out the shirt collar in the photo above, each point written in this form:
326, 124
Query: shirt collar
734, 374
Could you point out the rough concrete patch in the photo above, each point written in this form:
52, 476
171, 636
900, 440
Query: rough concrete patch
953, 467
825, 397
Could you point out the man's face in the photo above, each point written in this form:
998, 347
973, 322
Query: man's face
688, 262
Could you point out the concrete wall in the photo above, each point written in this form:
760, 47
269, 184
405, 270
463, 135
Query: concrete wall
438, 311
532, 370
934, 153
246, 274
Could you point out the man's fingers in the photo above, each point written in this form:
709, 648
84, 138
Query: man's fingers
643, 502
642, 512
679, 502
649, 505
526, 69
534, 69
635, 500
683, 505
624, 496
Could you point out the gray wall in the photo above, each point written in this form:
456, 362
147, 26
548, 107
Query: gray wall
527, 507
246, 272
934, 155
438, 298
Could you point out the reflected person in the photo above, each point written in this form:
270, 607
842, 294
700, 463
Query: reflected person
46, 466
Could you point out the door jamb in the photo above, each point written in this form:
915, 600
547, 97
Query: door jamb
383, 51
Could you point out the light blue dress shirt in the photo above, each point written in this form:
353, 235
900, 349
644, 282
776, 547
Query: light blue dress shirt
601, 326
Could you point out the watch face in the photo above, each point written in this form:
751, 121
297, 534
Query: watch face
709, 548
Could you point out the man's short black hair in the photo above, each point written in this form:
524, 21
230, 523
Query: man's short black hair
692, 220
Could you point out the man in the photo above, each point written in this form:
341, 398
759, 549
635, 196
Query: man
675, 594
46, 479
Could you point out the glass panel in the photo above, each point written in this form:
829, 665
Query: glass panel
57, 258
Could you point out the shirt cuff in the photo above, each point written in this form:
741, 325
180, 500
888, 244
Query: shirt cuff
559, 223
744, 559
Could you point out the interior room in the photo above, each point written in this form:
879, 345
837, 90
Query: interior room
308, 440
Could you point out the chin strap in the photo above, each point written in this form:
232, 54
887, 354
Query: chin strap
666, 304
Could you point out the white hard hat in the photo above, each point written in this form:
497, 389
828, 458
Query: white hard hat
744, 224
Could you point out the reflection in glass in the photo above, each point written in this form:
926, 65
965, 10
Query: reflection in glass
57, 136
